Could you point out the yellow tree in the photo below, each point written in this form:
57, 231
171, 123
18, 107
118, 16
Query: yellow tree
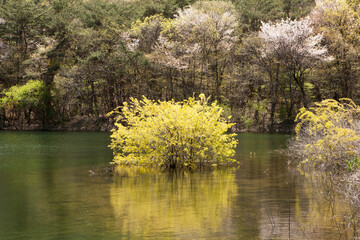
328, 136
172, 134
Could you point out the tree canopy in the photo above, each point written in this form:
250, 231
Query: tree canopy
261, 60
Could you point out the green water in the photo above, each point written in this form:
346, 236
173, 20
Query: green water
46, 192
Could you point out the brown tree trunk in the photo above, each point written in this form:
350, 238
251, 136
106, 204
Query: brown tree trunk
274, 89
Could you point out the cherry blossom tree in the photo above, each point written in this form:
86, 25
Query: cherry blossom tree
208, 28
297, 48
198, 44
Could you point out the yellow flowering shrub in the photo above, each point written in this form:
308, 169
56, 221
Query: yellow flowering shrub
172, 134
329, 135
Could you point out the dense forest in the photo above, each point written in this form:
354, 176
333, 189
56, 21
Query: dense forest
66, 62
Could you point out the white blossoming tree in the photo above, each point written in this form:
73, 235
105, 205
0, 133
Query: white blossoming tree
297, 48
207, 30
195, 47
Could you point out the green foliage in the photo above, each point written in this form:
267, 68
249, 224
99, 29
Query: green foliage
172, 134
247, 121
353, 164
296, 8
339, 20
329, 135
24, 20
24, 24
254, 113
96, 54
148, 31
23, 97
253, 12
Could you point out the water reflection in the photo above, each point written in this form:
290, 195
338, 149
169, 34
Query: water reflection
275, 196
173, 204
47, 193
327, 214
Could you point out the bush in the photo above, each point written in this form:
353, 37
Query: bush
327, 149
328, 136
20, 101
23, 97
172, 134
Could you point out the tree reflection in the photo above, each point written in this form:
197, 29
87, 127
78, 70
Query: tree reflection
148, 202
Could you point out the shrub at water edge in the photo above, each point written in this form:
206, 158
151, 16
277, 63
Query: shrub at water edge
328, 136
172, 134
327, 149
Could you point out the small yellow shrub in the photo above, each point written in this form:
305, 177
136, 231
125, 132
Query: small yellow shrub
172, 134
329, 134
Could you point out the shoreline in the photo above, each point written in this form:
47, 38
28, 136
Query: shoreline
105, 124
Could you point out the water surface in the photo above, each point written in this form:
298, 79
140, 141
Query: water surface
47, 192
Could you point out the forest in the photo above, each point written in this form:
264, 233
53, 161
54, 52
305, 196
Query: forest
67, 63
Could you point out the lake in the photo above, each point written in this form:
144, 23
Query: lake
48, 192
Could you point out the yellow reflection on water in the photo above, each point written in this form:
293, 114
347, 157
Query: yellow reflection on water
150, 203
327, 210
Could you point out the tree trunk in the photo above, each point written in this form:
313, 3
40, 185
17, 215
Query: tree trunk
274, 89
94, 99
2, 118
